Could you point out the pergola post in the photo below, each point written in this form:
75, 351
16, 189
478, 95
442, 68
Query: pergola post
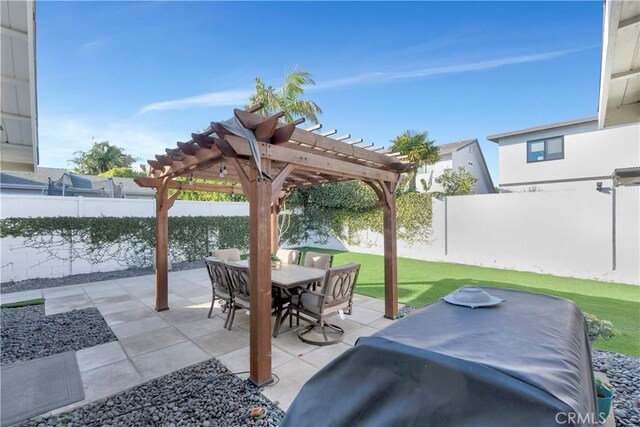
390, 251
162, 247
260, 277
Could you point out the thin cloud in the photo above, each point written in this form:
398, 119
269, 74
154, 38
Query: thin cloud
211, 99
94, 44
240, 97
382, 77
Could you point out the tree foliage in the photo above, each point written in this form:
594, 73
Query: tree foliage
418, 148
100, 158
287, 98
457, 183
122, 172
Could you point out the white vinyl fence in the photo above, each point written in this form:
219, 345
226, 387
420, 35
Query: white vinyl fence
568, 233
580, 234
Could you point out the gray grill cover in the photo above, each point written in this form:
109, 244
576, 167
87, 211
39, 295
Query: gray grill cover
516, 364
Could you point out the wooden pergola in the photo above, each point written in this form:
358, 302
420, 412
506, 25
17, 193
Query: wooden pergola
266, 160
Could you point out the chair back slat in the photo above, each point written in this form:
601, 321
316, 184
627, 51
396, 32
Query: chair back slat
218, 274
239, 280
339, 284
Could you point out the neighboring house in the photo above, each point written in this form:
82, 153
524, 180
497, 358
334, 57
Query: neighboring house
569, 155
579, 154
467, 154
60, 182
18, 109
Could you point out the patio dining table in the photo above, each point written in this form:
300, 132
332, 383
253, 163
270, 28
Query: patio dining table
284, 280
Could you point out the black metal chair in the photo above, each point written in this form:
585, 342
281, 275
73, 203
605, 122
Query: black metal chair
220, 286
336, 296
240, 289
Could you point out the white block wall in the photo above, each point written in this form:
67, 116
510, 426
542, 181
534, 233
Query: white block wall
18, 262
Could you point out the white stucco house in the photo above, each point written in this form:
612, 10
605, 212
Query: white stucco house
570, 155
466, 154
592, 152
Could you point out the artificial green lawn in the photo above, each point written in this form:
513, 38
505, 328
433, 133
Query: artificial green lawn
421, 282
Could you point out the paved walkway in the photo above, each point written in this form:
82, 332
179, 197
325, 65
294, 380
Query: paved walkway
152, 344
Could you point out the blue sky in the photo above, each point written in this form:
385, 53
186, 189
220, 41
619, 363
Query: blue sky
145, 75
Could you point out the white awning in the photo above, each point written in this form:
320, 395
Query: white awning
620, 72
18, 113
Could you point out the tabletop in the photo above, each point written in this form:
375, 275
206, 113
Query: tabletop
292, 275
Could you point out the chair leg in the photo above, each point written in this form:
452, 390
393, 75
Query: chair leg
232, 314
226, 322
213, 300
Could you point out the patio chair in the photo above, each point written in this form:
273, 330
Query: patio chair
318, 260
226, 255
239, 284
316, 307
221, 290
289, 256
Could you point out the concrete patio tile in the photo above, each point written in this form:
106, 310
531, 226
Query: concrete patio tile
371, 303
361, 300
364, 315
203, 299
65, 304
293, 375
115, 299
173, 300
352, 337
238, 360
152, 341
137, 327
169, 359
110, 290
323, 355
20, 296
191, 291
63, 291
128, 315
381, 323
142, 291
121, 306
223, 341
347, 324
183, 314
99, 355
201, 327
290, 343
132, 282
109, 379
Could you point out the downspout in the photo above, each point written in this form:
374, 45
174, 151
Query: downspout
613, 226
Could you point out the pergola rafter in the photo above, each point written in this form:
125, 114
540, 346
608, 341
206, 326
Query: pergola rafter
288, 158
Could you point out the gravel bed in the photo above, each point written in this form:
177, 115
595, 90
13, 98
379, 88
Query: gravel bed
78, 279
624, 375
207, 394
27, 334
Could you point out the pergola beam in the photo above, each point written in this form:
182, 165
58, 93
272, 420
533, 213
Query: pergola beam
308, 161
186, 185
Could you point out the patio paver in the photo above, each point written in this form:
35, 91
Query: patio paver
99, 355
153, 343
169, 359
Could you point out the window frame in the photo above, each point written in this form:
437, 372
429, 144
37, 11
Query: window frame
533, 141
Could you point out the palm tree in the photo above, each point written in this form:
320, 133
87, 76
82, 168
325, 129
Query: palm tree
100, 158
286, 99
418, 148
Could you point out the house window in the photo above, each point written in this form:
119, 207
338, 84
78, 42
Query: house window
545, 149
